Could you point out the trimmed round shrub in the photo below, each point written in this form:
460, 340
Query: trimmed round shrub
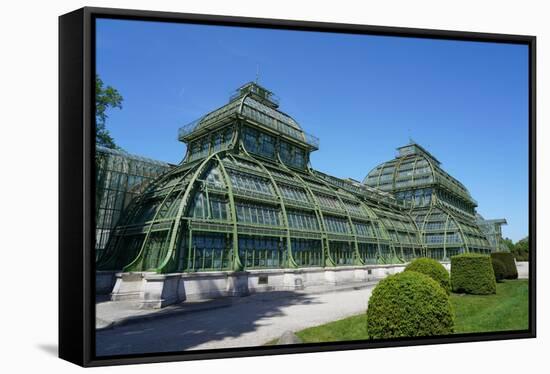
433, 269
473, 273
499, 268
507, 259
409, 304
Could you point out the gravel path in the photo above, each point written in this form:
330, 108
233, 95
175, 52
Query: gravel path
250, 321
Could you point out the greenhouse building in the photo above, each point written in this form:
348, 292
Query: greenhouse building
120, 177
441, 206
246, 212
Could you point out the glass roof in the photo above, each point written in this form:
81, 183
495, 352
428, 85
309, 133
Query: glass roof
258, 111
128, 156
414, 167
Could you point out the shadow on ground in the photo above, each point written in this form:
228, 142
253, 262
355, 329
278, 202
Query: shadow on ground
181, 332
102, 298
50, 349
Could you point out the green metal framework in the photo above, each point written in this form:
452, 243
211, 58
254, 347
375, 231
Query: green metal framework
442, 207
120, 177
492, 228
245, 197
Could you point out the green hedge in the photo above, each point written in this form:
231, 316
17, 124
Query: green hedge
499, 268
433, 269
409, 304
507, 259
472, 273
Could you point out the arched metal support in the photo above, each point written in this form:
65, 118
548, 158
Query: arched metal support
394, 258
291, 262
423, 230
419, 236
108, 261
170, 259
445, 237
458, 224
137, 263
327, 257
237, 264
357, 260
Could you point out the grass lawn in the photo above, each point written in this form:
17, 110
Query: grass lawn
507, 310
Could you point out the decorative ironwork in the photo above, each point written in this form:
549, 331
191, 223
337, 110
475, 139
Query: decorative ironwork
245, 196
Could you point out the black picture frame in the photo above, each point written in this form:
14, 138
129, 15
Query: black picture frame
76, 187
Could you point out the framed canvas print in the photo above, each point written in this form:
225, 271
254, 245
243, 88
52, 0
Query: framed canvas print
236, 186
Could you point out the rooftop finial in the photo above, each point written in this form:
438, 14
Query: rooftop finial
257, 73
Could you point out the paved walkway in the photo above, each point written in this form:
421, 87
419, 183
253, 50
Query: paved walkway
244, 322
111, 314
523, 269
224, 323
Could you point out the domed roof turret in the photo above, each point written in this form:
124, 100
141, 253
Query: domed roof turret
260, 107
414, 167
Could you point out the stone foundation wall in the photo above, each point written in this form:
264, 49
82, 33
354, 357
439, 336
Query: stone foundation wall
153, 290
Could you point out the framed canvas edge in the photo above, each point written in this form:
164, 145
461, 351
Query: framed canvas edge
77, 333
71, 249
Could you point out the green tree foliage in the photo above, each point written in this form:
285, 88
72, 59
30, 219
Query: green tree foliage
509, 243
499, 268
520, 249
105, 98
409, 304
507, 259
472, 273
433, 269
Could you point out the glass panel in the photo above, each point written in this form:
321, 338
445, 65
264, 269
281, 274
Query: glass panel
154, 250
368, 252
364, 229
307, 252
120, 177
336, 224
328, 201
342, 252
435, 253
209, 251
262, 252
385, 252
302, 220
293, 193
257, 214
251, 183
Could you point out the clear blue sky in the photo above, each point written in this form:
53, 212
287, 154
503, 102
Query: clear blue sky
363, 96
